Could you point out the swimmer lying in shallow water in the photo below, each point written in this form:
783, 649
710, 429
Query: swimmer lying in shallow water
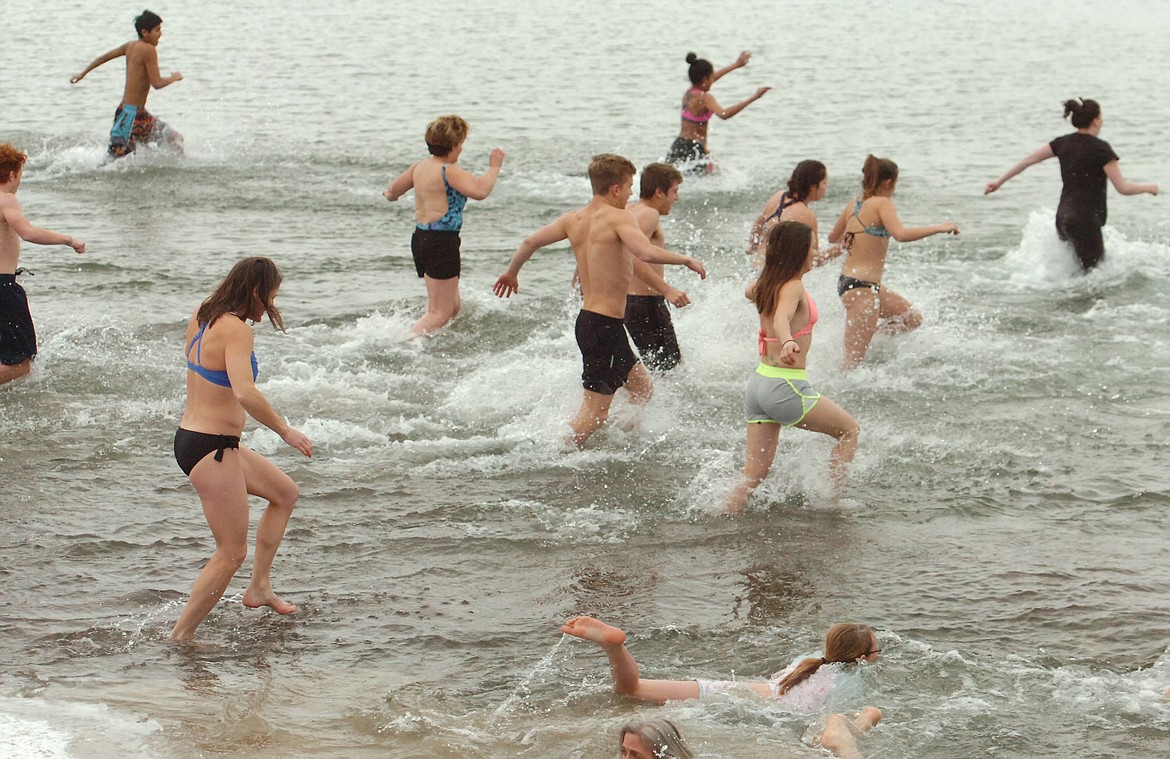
802, 687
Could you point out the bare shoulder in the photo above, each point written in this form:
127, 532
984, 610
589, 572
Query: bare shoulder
793, 288
570, 220
642, 211
802, 213
231, 330
137, 50
617, 216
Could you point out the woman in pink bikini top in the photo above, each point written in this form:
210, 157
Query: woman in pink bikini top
699, 105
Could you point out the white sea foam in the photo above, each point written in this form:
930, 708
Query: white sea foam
35, 728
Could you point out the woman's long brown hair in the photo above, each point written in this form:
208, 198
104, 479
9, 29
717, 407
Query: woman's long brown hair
250, 280
784, 257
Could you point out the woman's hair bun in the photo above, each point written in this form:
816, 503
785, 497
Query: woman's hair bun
691, 57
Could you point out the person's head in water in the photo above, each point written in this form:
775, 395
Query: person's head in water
875, 174
446, 133
806, 180
148, 21
785, 258
607, 170
248, 291
700, 69
11, 162
846, 643
1083, 113
662, 177
653, 739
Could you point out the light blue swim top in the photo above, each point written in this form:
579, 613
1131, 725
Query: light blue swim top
214, 376
877, 230
452, 221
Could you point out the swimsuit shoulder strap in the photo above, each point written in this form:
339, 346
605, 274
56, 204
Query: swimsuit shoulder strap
780, 208
199, 349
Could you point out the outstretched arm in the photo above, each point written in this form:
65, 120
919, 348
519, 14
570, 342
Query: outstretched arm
726, 113
889, 216
157, 80
477, 188
1041, 154
825, 255
508, 282
756, 236
15, 218
738, 63
401, 185
639, 244
115, 53
643, 272
837, 233
1123, 185
238, 363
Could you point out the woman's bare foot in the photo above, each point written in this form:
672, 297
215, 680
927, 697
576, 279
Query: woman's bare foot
254, 599
588, 628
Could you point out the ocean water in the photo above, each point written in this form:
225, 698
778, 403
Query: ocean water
1003, 526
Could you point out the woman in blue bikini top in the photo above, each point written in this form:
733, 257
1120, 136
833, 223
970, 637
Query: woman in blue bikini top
864, 230
221, 394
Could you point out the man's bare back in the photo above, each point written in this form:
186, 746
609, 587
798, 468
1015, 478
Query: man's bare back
141, 57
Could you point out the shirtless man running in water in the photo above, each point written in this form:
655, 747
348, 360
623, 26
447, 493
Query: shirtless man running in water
132, 122
603, 234
18, 337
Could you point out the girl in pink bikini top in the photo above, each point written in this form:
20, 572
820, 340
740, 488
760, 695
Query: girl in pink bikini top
806, 330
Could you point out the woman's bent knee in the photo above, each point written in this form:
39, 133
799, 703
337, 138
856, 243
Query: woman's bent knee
288, 496
234, 555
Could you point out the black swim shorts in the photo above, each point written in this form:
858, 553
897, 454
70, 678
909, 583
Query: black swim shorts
691, 153
648, 322
436, 253
606, 355
18, 339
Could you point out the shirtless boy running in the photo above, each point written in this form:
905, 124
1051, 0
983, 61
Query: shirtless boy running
603, 234
647, 317
132, 122
18, 339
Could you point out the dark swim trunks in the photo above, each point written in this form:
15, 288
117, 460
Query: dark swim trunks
18, 338
133, 125
689, 152
606, 356
648, 322
193, 447
436, 253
